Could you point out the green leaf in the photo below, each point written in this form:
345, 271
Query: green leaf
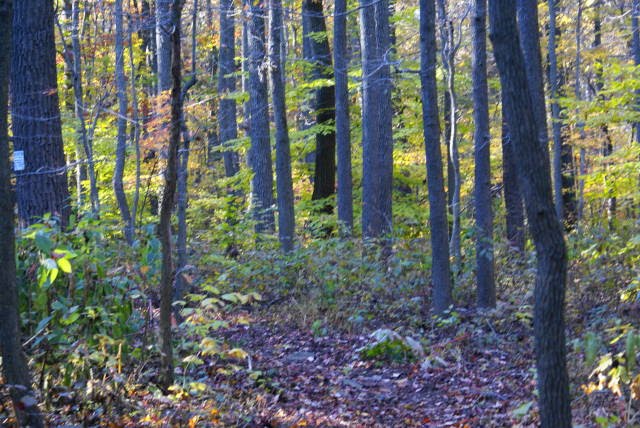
522, 410
43, 242
64, 265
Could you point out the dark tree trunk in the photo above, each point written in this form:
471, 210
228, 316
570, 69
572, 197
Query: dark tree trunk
42, 185
168, 197
534, 175
377, 141
14, 364
284, 182
512, 196
121, 147
163, 44
324, 177
440, 269
260, 151
226, 85
343, 124
482, 144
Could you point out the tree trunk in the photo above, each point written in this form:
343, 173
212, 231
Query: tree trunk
168, 197
163, 44
377, 142
136, 128
325, 156
227, 85
42, 186
440, 269
14, 363
121, 147
284, 183
448, 51
260, 151
635, 46
534, 175
482, 145
343, 123
579, 94
79, 107
512, 196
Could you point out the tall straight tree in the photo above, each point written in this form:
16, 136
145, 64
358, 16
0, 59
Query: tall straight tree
163, 44
168, 197
121, 147
284, 182
482, 144
377, 141
440, 268
42, 185
343, 124
535, 179
227, 85
14, 364
260, 151
514, 211
324, 178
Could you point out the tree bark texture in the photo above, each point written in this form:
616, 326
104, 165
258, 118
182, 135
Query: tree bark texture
42, 186
482, 144
535, 180
377, 141
440, 268
260, 151
343, 123
284, 182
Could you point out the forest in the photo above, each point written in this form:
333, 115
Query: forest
295, 213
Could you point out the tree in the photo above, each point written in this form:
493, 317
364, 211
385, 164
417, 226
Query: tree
168, 196
534, 175
635, 47
227, 85
14, 364
42, 185
163, 44
514, 216
284, 183
377, 141
121, 147
440, 269
482, 145
315, 28
260, 151
343, 132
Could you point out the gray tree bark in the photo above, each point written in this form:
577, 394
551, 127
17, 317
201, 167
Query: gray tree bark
260, 151
343, 123
284, 182
163, 44
534, 175
440, 269
377, 141
482, 144
14, 363
514, 217
168, 197
42, 186
121, 147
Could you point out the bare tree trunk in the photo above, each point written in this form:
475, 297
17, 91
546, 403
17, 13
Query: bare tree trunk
284, 183
135, 130
448, 60
514, 216
226, 85
440, 268
163, 44
343, 131
377, 141
121, 148
482, 143
260, 151
79, 107
14, 363
37, 131
168, 195
578, 95
534, 175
